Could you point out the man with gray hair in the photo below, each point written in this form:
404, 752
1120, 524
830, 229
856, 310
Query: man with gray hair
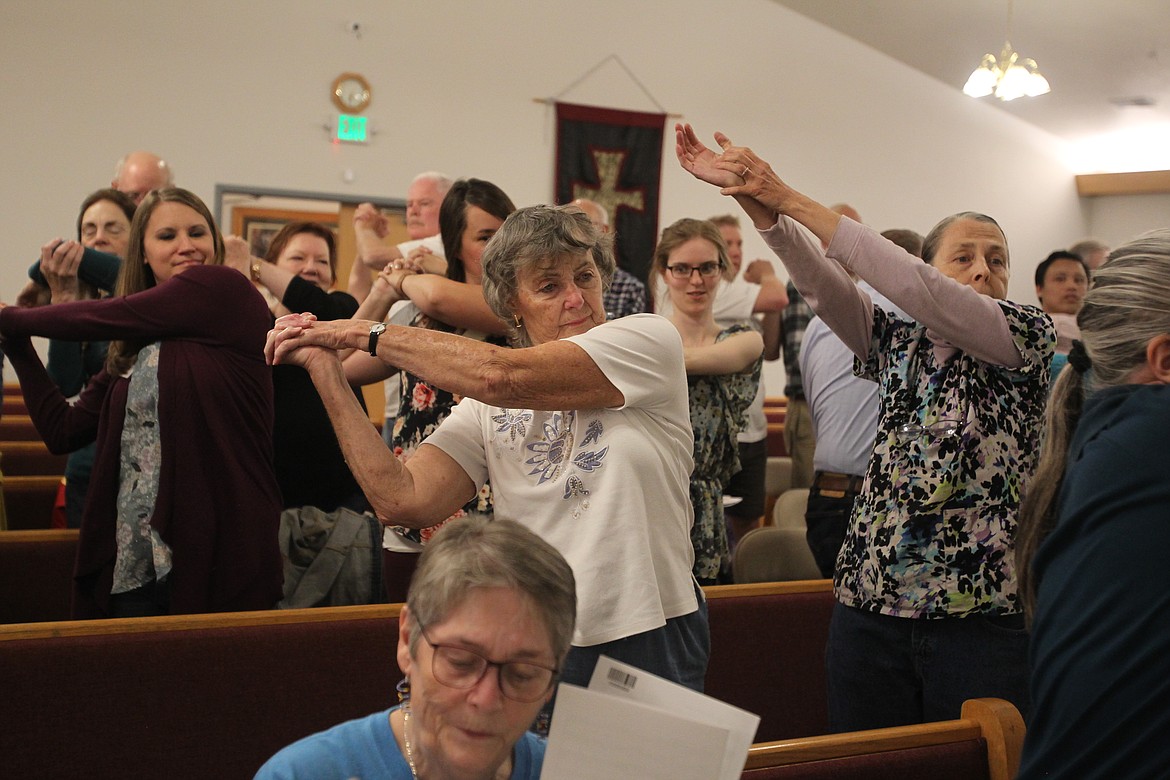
423, 199
1092, 251
140, 172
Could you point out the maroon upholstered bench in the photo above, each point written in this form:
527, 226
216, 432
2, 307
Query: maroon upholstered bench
36, 574
768, 653
192, 696
984, 744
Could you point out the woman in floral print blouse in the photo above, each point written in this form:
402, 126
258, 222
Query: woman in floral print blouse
928, 613
723, 374
470, 214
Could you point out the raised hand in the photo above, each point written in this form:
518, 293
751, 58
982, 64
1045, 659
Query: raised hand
59, 263
422, 260
758, 270
367, 217
701, 162
237, 254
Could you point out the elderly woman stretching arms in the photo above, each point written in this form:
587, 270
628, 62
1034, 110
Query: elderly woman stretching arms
928, 613
584, 432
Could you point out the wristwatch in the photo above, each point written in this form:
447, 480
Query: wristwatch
375, 332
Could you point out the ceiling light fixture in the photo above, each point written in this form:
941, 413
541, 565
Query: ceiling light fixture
1008, 77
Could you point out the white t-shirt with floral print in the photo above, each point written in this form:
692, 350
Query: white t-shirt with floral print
607, 487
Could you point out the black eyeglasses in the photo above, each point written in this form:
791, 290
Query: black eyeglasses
458, 667
684, 271
940, 429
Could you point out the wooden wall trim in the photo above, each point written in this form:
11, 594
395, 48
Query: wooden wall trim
1091, 185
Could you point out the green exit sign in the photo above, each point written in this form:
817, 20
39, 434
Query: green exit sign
351, 128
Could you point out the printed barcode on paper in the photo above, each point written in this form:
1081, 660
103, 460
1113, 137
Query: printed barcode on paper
621, 679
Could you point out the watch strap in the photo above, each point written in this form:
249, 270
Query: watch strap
375, 332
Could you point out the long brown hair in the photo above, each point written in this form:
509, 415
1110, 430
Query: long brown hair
1127, 305
136, 276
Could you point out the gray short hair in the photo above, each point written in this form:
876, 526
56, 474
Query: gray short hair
934, 237
533, 236
472, 552
442, 181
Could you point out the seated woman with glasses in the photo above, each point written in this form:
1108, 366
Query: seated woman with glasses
926, 582
485, 629
723, 374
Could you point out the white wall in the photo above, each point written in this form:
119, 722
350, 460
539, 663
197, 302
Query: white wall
234, 92
1117, 218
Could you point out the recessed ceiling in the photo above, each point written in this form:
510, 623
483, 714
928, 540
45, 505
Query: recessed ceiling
1108, 62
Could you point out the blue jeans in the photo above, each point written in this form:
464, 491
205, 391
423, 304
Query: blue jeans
677, 652
827, 521
890, 671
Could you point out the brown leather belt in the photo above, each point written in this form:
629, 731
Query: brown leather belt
834, 485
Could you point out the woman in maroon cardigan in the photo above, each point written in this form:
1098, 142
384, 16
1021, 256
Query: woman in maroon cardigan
183, 506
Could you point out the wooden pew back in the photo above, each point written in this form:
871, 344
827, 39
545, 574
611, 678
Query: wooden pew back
36, 574
216, 695
768, 653
984, 744
30, 459
187, 696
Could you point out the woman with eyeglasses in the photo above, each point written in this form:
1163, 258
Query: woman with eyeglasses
103, 224
928, 613
582, 429
485, 629
723, 374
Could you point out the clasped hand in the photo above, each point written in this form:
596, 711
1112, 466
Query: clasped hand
59, 263
293, 341
303, 340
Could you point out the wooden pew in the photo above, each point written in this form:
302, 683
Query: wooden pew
18, 427
29, 501
216, 695
768, 653
36, 574
30, 459
984, 744
14, 404
192, 696
775, 410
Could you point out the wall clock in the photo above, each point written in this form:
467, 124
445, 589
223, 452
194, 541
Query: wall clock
351, 93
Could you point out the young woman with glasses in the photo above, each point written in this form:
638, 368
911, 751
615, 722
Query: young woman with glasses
928, 613
723, 374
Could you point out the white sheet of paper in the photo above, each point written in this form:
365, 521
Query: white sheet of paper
624, 680
433, 243
598, 736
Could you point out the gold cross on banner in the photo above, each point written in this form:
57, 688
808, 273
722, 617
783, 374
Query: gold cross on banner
609, 165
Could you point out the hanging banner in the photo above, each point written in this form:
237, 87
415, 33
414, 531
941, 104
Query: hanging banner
614, 158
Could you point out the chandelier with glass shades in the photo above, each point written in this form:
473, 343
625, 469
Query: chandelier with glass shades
1007, 77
